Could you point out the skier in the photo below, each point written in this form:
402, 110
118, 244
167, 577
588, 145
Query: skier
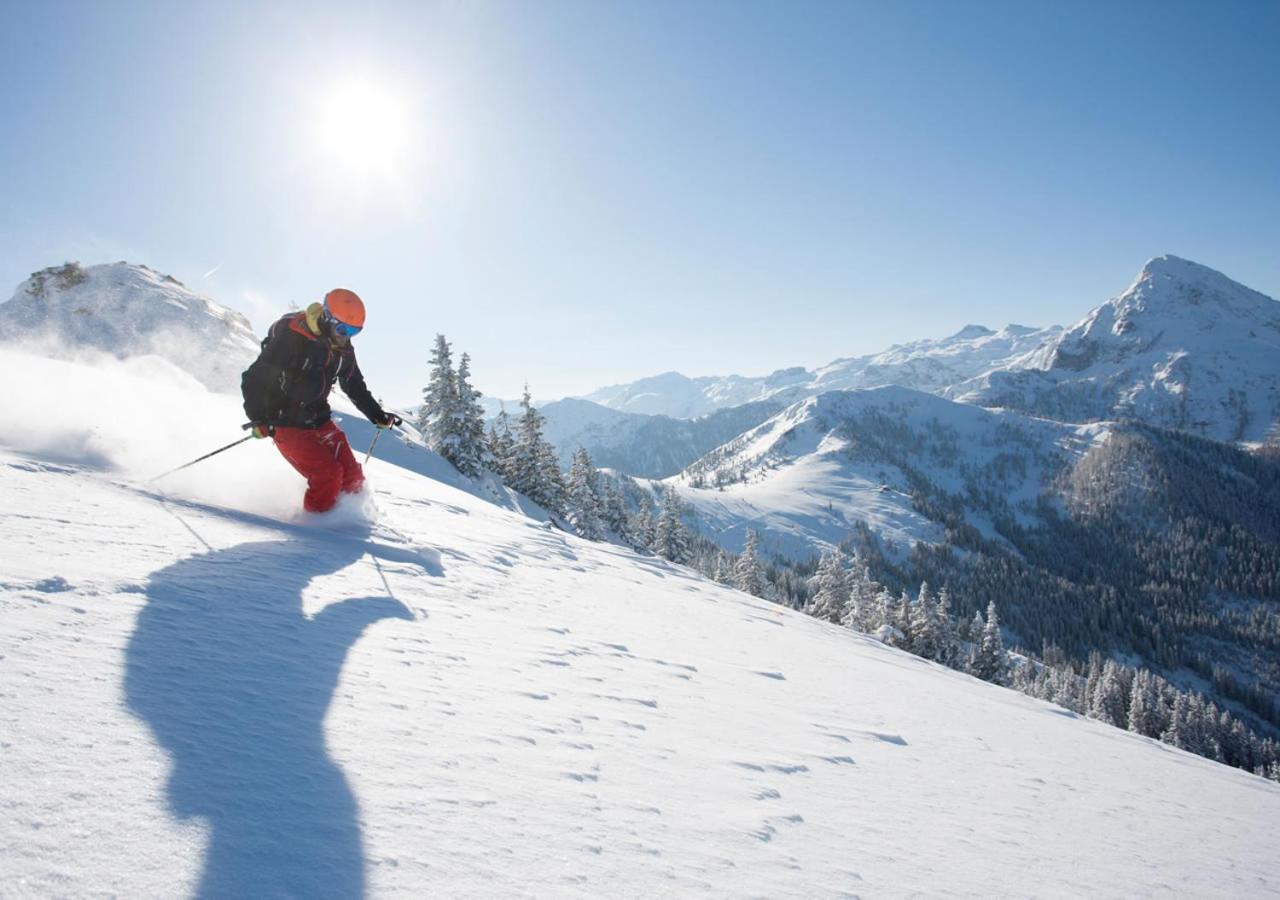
286, 394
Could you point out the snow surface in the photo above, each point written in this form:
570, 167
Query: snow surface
205, 690
828, 462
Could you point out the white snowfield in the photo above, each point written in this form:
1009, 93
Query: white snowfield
207, 693
813, 471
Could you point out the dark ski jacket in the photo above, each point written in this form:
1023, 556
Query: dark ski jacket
289, 383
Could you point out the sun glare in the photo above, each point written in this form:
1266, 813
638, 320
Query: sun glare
363, 129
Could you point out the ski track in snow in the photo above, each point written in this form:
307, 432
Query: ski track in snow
455, 701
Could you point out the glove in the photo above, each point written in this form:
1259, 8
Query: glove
389, 420
262, 431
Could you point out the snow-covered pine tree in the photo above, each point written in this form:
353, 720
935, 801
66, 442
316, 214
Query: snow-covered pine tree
438, 416
945, 628
1176, 732
1143, 706
886, 615
831, 588
582, 500
472, 451
670, 537
903, 620
860, 608
640, 524
976, 627
991, 663
748, 573
614, 507
501, 444
924, 624
723, 573
1110, 697
553, 486
535, 471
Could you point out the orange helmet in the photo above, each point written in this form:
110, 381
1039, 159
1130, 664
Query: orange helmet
345, 308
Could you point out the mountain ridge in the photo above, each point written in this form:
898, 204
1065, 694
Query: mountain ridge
130, 310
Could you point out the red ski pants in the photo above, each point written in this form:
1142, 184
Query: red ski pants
323, 457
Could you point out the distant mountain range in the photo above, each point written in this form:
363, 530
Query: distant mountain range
928, 365
1184, 347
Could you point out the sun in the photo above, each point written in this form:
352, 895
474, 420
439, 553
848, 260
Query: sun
363, 129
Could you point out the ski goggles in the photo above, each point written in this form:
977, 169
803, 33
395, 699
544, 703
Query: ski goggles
341, 328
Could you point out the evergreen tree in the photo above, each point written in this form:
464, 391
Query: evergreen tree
1176, 732
670, 537
1110, 698
641, 523
501, 445
991, 662
945, 629
583, 497
831, 588
472, 451
552, 479
1144, 705
439, 414
614, 512
860, 611
1067, 690
925, 637
723, 572
748, 574
902, 621
886, 613
535, 471
976, 627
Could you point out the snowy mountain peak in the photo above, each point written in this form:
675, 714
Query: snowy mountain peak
970, 332
130, 310
1170, 282
1183, 347
1175, 305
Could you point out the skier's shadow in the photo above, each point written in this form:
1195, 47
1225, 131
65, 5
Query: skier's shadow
234, 682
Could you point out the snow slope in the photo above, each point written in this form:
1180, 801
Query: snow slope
1183, 347
129, 311
927, 365
206, 691
642, 445
807, 476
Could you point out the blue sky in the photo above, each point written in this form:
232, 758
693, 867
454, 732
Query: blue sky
590, 192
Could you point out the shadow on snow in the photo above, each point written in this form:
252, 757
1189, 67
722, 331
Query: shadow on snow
234, 682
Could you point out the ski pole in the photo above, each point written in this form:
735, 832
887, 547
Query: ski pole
247, 437
377, 433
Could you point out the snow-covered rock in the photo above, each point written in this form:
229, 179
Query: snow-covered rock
129, 311
1183, 347
207, 692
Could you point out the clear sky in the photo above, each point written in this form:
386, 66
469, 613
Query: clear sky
581, 193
